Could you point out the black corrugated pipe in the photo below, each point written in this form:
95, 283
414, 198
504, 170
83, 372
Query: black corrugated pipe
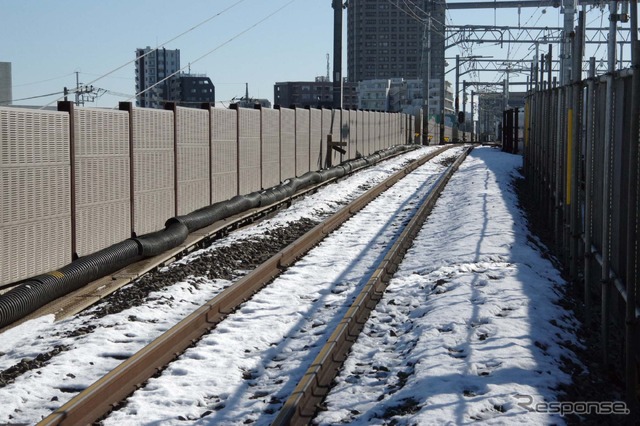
38, 291
173, 235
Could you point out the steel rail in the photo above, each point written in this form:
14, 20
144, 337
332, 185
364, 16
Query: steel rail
103, 395
303, 403
92, 293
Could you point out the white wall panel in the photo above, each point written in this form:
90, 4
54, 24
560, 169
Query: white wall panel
368, 122
287, 143
302, 141
316, 148
345, 133
224, 154
327, 114
376, 131
192, 159
270, 147
102, 178
249, 150
153, 169
360, 136
336, 131
353, 134
35, 206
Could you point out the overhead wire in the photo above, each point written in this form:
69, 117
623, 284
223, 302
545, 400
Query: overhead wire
214, 49
161, 45
42, 81
8, 101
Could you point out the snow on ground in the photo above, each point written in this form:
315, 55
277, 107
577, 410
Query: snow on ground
38, 392
468, 323
245, 368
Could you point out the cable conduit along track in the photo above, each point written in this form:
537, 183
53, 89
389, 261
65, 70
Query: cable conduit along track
24, 299
99, 398
301, 406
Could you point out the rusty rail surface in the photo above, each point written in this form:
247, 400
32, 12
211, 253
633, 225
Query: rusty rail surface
303, 403
100, 398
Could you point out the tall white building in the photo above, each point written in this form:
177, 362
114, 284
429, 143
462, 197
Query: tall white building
5, 83
151, 68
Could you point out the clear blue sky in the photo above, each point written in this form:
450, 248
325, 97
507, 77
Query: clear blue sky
50, 40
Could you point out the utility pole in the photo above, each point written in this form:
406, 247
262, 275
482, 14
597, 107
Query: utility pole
426, 71
84, 93
337, 53
569, 10
78, 90
438, 9
464, 110
456, 101
473, 124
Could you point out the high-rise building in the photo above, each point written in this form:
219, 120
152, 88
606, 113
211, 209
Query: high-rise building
316, 94
389, 39
6, 95
158, 76
153, 66
192, 90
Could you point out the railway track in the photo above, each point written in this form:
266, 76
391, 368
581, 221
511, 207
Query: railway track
90, 366
81, 299
100, 398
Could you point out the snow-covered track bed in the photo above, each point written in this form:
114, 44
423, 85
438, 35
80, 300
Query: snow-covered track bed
56, 361
93, 292
297, 310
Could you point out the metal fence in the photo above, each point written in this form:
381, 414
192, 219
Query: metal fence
581, 167
77, 180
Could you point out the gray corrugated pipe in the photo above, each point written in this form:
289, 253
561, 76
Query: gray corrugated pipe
42, 289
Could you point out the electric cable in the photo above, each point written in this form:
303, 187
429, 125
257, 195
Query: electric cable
161, 45
30, 97
42, 81
214, 49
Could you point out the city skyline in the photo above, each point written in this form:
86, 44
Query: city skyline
254, 42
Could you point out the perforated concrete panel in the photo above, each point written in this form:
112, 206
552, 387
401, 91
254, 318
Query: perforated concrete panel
315, 135
326, 130
192, 159
224, 154
270, 147
353, 134
367, 133
153, 169
102, 170
376, 131
287, 143
384, 143
35, 212
302, 141
345, 132
414, 124
336, 131
360, 133
249, 150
